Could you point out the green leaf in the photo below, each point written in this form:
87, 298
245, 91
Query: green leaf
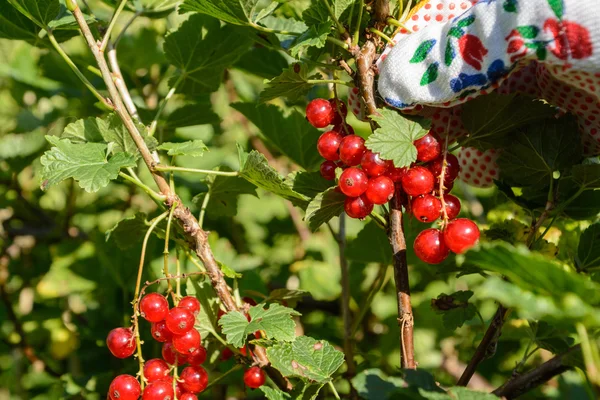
374, 384
314, 36
237, 12
549, 337
263, 62
393, 140
287, 25
323, 207
286, 294
317, 13
462, 393
371, 245
532, 271
449, 53
308, 183
291, 134
194, 148
39, 11
199, 113
290, 84
455, 308
319, 278
129, 231
224, 192
21, 144
588, 250
276, 322
430, 75
306, 358
206, 320
201, 49
422, 51
587, 175
463, 23
16, 26
528, 31
538, 150
274, 393
87, 163
557, 7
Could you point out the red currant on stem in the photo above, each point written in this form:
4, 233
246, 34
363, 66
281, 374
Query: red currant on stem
160, 332
158, 390
343, 129
417, 181
461, 234
353, 182
155, 369
452, 167
373, 165
426, 208
191, 303
429, 246
328, 170
254, 377
187, 343
428, 147
124, 387
188, 396
180, 320
194, 379
395, 174
154, 307
452, 206
358, 207
169, 354
320, 113
380, 190
197, 357
120, 342
352, 148
328, 145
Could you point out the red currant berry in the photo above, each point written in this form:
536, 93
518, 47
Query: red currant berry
320, 113
197, 357
124, 387
343, 129
328, 170
452, 206
428, 147
358, 207
194, 379
417, 181
339, 107
461, 234
373, 165
380, 190
226, 354
353, 182
188, 396
329, 144
169, 354
120, 342
448, 185
156, 369
154, 307
159, 390
187, 343
426, 208
452, 169
395, 174
254, 377
429, 246
191, 303
352, 149
160, 332
180, 320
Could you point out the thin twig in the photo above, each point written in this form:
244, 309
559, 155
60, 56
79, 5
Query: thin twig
365, 57
120, 82
111, 25
166, 249
163, 104
167, 168
346, 316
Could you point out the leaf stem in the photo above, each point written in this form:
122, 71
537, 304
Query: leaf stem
399, 24
163, 104
382, 35
76, 70
111, 25
166, 168
166, 250
334, 81
203, 208
379, 283
222, 376
338, 42
275, 31
361, 6
339, 26
379, 220
155, 196
332, 387
345, 300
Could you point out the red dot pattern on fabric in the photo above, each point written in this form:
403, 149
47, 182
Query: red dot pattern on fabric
355, 104
478, 168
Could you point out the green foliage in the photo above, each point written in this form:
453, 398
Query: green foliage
194, 148
323, 207
292, 83
455, 308
224, 192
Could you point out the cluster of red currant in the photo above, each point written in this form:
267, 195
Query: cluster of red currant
181, 345
367, 180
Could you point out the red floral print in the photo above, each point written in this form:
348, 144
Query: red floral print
472, 50
570, 39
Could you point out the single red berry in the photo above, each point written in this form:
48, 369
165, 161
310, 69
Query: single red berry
339, 107
417, 181
154, 307
197, 357
353, 182
429, 246
244, 351
395, 174
452, 206
328, 145
191, 303
428, 147
254, 377
343, 129
160, 332
426, 208
187, 396
156, 369
452, 168
373, 165
220, 313
352, 149
461, 234
169, 354
159, 390
328, 170
187, 343
194, 379
358, 207
124, 387
226, 354
120, 342
380, 190
320, 113
180, 320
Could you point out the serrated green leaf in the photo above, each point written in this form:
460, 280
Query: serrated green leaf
317, 13
294, 26
224, 192
374, 384
201, 49
371, 245
228, 271
87, 163
588, 250
323, 207
286, 294
237, 12
587, 175
263, 62
393, 140
194, 148
128, 231
276, 322
314, 36
538, 150
199, 113
39, 11
290, 84
274, 393
16, 26
308, 183
306, 358
206, 320
291, 134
